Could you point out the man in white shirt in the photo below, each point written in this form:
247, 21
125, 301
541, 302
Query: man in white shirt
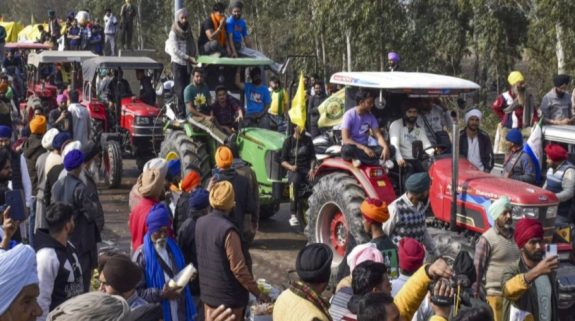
403, 132
475, 144
80, 119
110, 23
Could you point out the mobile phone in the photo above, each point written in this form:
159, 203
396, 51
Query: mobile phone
15, 199
550, 250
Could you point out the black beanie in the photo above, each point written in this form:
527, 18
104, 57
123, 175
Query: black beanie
313, 263
121, 273
561, 80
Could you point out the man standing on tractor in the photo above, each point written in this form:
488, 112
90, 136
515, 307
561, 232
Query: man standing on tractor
128, 13
182, 50
556, 104
110, 22
515, 108
518, 165
53, 26
226, 110
357, 125
403, 132
494, 251
407, 216
280, 104
257, 95
393, 61
298, 158
530, 284
561, 181
213, 38
475, 144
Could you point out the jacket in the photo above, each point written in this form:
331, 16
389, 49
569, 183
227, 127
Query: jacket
522, 295
245, 202
70, 189
32, 149
485, 148
218, 284
180, 50
59, 272
92, 193
291, 307
137, 221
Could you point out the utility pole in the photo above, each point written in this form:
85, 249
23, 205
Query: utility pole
178, 4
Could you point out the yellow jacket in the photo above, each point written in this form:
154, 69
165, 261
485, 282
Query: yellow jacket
291, 307
412, 294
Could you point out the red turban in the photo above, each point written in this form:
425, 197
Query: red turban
191, 180
527, 229
556, 152
411, 254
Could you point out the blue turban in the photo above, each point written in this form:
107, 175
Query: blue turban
158, 217
174, 167
5, 132
515, 136
60, 139
199, 199
73, 159
418, 183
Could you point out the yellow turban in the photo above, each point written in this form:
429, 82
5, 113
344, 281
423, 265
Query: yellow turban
515, 77
38, 125
222, 196
224, 157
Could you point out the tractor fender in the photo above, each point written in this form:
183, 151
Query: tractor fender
384, 193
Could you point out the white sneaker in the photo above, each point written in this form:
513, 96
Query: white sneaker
293, 221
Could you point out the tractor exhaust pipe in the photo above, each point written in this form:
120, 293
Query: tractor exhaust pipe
454, 172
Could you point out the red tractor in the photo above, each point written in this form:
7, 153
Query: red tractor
458, 202
122, 123
44, 65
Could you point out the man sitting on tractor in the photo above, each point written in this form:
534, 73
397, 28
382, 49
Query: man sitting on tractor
561, 181
257, 97
407, 216
518, 165
475, 144
403, 132
356, 126
227, 110
147, 92
118, 87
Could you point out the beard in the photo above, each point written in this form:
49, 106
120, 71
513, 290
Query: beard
411, 120
184, 26
160, 244
536, 256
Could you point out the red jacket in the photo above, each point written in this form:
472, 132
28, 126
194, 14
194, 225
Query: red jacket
137, 221
504, 100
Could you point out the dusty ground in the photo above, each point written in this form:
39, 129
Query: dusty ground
273, 252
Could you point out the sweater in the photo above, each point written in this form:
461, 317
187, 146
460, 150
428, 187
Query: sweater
503, 252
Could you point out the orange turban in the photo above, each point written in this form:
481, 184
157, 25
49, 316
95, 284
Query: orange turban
374, 210
38, 125
224, 157
191, 180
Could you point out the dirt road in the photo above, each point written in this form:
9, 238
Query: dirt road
273, 252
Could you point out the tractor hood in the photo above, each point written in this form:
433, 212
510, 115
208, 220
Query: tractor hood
138, 108
475, 182
268, 139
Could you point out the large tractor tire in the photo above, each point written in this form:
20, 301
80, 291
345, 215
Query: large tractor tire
333, 216
192, 154
112, 161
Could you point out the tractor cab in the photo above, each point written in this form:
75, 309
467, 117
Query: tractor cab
50, 71
119, 115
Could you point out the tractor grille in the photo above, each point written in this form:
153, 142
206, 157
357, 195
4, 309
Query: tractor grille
148, 131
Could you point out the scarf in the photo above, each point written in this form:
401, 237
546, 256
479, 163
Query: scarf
182, 34
304, 291
216, 20
155, 275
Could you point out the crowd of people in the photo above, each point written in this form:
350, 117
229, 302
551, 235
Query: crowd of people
50, 265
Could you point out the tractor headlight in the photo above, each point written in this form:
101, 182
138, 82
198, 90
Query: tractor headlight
142, 120
528, 212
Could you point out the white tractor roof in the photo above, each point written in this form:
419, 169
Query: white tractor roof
406, 82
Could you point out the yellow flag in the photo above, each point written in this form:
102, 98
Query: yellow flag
297, 112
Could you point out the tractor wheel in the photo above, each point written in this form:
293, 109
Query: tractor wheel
112, 161
333, 216
192, 154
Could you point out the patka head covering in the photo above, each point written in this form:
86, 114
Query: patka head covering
418, 183
313, 263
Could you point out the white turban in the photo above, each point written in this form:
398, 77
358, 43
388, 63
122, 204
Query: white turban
91, 306
157, 163
17, 270
474, 112
70, 147
49, 138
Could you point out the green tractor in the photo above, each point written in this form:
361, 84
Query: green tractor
258, 149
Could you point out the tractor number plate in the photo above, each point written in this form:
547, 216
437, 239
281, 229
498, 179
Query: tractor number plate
381, 183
